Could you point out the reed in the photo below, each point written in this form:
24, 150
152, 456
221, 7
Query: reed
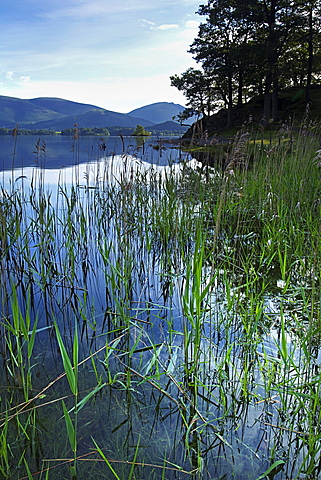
166, 320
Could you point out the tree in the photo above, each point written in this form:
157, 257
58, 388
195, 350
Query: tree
311, 37
225, 47
248, 47
140, 131
277, 29
198, 88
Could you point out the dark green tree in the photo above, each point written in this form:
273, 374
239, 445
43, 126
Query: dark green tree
140, 131
221, 45
198, 88
310, 41
252, 47
277, 30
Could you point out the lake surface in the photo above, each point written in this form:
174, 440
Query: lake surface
103, 244
57, 151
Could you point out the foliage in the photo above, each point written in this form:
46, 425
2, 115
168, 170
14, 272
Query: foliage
23, 131
252, 48
140, 131
83, 131
199, 91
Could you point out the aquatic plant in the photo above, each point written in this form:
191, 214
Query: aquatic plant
163, 322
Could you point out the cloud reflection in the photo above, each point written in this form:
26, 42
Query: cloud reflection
109, 170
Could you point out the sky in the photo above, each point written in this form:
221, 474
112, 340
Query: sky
116, 54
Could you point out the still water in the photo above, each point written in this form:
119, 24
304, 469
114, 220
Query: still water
173, 394
59, 151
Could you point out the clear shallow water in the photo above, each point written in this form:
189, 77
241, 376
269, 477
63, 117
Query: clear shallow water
126, 292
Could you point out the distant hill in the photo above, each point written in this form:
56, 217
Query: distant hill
94, 118
65, 107
57, 114
14, 110
158, 112
169, 126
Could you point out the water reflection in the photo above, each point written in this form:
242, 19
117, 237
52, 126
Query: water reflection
111, 170
59, 151
186, 391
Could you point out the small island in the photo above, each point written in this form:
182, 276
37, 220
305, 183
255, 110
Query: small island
140, 132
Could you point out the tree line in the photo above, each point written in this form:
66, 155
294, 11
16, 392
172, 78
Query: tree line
10, 131
251, 47
84, 131
94, 131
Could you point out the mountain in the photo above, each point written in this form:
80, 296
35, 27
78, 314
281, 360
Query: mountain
158, 112
65, 107
27, 113
57, 114
14, 110
169, 126
94, 118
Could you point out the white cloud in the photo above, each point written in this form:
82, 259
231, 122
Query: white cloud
152, 25
147, 23
25, 79
9, 76
192, 24
167, 27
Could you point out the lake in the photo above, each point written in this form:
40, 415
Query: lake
153, 323
57, 151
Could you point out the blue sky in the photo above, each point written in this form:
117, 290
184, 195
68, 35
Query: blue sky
117, 54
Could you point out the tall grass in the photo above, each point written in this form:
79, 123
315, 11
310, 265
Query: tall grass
164, 323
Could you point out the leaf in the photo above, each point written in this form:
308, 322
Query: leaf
153, 360
75, 353
67, 364
269, 470
70, 428
283, 338
28, 469
103, 456
32, 338
134, 460
83, 402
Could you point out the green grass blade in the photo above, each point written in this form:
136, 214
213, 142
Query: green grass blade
134, 461
32, 338
83, 402
28, 469
71, 376
70, 428
270, 469
103, 456
75, 354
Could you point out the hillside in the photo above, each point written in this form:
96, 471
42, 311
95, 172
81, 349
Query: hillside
159, 112
57, 114
65, 107
169, 126
94, 118
292, 108
15, 110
